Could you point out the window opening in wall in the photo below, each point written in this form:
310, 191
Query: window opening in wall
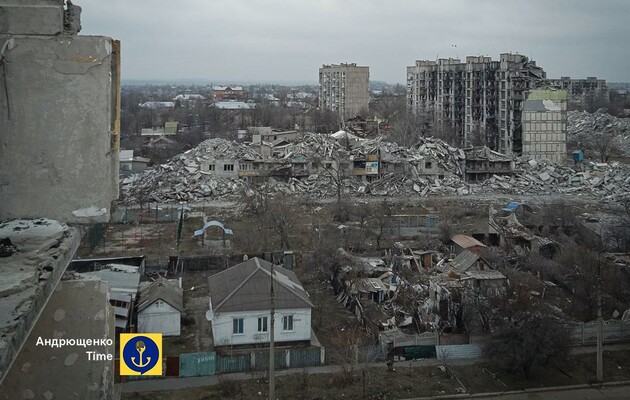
237, 326
287, 323
262, 324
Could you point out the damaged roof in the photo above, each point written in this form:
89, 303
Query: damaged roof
466, 260
246, 286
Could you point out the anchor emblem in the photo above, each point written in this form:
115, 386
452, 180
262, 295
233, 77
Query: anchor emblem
140, 348
140, 354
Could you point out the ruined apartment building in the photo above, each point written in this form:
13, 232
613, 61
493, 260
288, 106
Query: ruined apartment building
545, 125
481, 99
583, 92
59, 114
343, 89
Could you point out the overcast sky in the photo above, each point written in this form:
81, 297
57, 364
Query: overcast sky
285, 41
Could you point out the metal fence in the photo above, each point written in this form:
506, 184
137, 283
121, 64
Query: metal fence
149, 213
614, 331
459, 351
210, 363
373, 353
197, 364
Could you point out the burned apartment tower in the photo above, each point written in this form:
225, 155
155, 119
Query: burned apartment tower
480, 100
584, 92
343, 89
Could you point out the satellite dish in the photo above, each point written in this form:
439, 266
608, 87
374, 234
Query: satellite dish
209, 315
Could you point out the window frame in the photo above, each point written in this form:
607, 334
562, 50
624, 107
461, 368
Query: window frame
288, 322
238, 326
263, 324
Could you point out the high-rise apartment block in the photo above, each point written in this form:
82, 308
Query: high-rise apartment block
583, 91
343, 89
480, 99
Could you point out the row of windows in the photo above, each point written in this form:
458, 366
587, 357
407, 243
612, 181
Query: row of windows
238, 324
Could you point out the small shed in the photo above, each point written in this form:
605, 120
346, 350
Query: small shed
464, 242
160, 307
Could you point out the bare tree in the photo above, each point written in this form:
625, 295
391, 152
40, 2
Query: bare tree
407, 129
605, 143
281, 217
346, 345
382, 219
525, 340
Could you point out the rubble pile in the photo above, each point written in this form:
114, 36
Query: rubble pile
533, 177
183, 178
581, 126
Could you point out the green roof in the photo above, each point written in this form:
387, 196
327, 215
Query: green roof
548, 94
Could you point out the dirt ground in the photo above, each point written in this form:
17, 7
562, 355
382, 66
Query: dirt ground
407, 382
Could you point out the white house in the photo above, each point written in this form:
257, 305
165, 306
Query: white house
240, 306
160, 307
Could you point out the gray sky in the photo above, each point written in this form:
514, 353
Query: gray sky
288, 40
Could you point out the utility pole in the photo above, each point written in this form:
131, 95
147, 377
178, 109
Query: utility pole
272, 359
600, 324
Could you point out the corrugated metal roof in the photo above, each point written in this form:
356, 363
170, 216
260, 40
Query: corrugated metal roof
466, 242
119, 281
246, 286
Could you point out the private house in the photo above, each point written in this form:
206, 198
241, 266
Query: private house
240, 306
160, 307
130, 164
125, 158
227, 93
460, 243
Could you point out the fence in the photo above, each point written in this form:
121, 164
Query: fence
614, 331
373, 353
459, 351
149, 213
210, 363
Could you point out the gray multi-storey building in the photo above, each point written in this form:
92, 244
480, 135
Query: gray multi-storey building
343, 88
545, 125
480, 99
583, 91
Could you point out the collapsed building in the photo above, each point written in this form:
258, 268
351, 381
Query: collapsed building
507, 231
584, 127
408, 292
323, 165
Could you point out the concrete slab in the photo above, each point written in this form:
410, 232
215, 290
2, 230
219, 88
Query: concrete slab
29, 276
32, 19
78, 309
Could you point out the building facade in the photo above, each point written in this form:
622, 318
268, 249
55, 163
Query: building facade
343, 89
545, 125
240, 306
480, 99
583, 92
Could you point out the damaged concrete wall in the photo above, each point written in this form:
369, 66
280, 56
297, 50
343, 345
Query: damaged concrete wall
59, 127
32, 17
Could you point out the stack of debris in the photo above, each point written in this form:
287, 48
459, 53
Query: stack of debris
181, 179
608, 181
581, 126
431, 167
